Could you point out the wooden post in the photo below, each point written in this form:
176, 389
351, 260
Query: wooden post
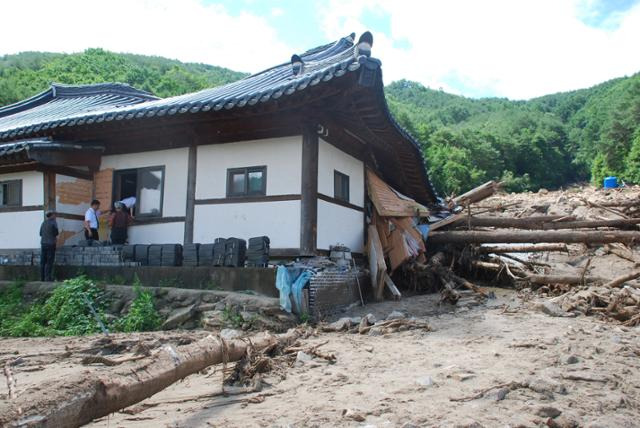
191, 194
49, 183
309, 192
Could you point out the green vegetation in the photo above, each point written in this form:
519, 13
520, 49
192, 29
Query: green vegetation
68, 311
544, 142
26, 74
142, 315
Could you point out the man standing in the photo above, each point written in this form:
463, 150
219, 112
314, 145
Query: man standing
48, 237
91, 221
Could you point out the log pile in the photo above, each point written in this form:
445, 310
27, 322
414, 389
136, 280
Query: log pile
495, 241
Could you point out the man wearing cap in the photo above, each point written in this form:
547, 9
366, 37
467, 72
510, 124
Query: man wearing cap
48, 238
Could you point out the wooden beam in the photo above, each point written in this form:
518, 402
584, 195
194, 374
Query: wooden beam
66, 170
8, 169
191, 194
309, 192
49, 183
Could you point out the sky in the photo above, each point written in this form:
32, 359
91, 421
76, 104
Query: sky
517, 49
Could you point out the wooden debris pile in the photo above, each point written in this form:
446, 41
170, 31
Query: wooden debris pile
573, 230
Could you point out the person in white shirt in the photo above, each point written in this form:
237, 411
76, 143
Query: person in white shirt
129, 203
91, 221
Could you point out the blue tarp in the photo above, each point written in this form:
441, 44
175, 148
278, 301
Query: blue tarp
287, 286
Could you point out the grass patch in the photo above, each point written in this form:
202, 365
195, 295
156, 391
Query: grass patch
77, 307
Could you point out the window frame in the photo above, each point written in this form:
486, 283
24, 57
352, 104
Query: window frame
138, 171
246, 171
19, 182
336, 189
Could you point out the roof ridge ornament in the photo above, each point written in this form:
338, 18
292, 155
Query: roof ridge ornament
297, 64
365, 42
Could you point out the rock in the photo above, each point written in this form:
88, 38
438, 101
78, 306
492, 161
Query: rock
562, 422
547, 412
230, 333
396, 315
353, 415
355, 320
497, 394
368, 348
425, 381
550, 309
370, 318
179, 316
213, 320
571, 359
341, 324
463, 376
546, 386
469, 423
303, 357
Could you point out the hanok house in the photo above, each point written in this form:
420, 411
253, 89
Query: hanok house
283, 153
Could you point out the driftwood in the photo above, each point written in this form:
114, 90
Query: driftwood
617, 282
76, 401
11, 381
537, 236
562, 279
542, 222
522, 248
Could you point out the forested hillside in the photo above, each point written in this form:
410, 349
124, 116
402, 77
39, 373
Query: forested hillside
544, 142
28, 73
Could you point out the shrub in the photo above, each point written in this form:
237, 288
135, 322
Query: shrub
142, 315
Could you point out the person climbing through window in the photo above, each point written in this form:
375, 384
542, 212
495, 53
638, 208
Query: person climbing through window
119, 221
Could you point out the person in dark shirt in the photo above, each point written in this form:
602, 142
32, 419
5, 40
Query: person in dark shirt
119, 221
48, 238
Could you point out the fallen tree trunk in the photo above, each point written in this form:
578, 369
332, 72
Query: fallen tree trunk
517, 236
477, 194
544, 223
617, 282
534, 222
522, 248
72, 402
562, 279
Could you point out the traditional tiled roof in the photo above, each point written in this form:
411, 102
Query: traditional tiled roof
103, 103
23, 151
60, 103
320, 65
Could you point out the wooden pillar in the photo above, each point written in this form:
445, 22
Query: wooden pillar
309, 192
191, 194
49, 184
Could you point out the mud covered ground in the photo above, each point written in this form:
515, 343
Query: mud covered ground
578, 369
504, 362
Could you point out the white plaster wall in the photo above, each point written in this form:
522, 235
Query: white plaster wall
340, 225
280, 221
282, 156
331, 158
175, 162
20, 229
32, 186
164, 233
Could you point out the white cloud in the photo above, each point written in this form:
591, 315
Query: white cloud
518, 49
187, 30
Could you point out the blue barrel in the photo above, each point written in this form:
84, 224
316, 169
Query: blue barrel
610, 182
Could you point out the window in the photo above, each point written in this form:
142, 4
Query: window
10, 193
341, 186
144, 184
251, 181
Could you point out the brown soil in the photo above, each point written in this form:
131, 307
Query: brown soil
500, 363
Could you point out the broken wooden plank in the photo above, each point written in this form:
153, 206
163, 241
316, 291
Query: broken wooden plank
534, 248
392, 287
377, 265
477, 194
619, 281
